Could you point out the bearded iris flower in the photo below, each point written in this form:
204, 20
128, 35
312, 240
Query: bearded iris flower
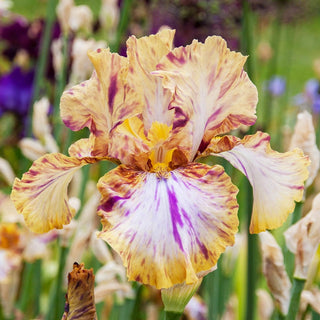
155, 112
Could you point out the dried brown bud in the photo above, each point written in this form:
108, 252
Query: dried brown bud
80, 296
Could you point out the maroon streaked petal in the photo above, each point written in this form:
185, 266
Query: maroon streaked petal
211, 89
41, 194
168, 229
277, 178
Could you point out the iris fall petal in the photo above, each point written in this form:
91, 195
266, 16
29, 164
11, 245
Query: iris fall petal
168, 229
41, 194
277, 178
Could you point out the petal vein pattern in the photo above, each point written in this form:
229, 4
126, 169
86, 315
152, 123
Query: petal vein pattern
168, 230
277, 178
144, 54
210, 88
41, 194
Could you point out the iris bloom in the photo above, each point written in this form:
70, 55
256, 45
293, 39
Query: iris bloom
156, 112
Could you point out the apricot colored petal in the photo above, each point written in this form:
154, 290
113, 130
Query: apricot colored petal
41, 194
168, 230
84, 105
144, 54
129, 143
121, 101
277, 178
84, 149
212, 91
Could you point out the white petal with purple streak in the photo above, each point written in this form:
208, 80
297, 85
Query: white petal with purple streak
168, 229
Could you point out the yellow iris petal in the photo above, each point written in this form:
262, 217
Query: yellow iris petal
158, 132
9, 236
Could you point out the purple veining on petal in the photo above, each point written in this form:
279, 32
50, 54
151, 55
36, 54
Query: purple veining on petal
108, 205
177, 60
214, 115
112, 92
175, 217
262, 141
181, 117
227, 85
203, 248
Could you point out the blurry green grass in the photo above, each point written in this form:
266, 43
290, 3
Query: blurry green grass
299, 46
32, 9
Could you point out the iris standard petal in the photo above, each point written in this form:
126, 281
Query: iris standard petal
112, 70
211, 89
41, 194
144, 54
168, 230
277, 178
84, 105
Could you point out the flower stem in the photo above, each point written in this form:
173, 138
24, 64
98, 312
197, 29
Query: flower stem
56, 303
297, 213
1, 312
37, 286
315, 315
43, 58
212, 286
251, 276
298, 285
272, 70
123, 24
252, 259
61, 82
289, 256
172, 315
26, 285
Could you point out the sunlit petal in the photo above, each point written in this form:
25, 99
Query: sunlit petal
277, 178
41, 194
112, 71
144, 54
168, 230
129, 143
211, 89
84, 105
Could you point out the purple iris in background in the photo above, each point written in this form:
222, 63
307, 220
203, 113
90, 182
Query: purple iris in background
277, 86
19, 34
312, 91
16, 89
310, 98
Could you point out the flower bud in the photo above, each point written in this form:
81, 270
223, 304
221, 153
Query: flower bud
177, 297
274, 271
303, 239
304, 137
